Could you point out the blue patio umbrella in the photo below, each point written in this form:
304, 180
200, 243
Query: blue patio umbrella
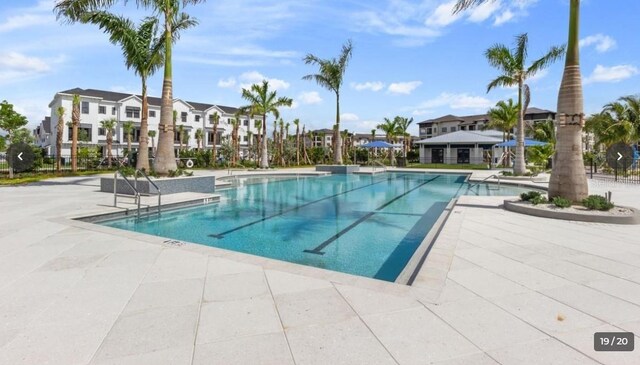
379, 144
527, 143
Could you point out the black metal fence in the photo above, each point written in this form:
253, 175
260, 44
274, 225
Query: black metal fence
47, 164
622, 170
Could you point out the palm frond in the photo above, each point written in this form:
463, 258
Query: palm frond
500, 57
552, 56
462, 5
502, 81
522, 42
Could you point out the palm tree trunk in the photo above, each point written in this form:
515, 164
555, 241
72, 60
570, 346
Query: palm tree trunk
298, 145
215, 141
165, 159
59, 131
143, 145
75, 120
264, 164
519, 166
109, 146
337, 152
568, 178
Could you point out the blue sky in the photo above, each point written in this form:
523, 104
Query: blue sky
410, 58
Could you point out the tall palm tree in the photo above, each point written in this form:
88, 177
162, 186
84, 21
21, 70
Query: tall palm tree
258, 124
109, 125
199, 136
403, 127
142, 49
504, 117
390, 128
152, 135
215, 118
59, 131
127, 131
180, 136
514, 73
171, 11
75, 122
281, 142
330, 76
296, 122
632, 103
263, 101
567, 177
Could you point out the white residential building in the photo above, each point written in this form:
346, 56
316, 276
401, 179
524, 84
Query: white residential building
98, 105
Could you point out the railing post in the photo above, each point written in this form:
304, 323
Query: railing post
115, 189
591, 165
615, 171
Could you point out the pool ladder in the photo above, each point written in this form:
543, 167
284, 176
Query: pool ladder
134, 187
485, 179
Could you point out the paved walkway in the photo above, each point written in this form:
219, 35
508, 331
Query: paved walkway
509, 289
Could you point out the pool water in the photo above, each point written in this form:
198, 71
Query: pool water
368, 225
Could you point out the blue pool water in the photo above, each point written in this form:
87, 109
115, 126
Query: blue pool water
358, 224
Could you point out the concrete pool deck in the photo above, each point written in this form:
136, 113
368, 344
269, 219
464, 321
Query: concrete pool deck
504, 288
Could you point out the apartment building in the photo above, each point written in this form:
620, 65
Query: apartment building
98, 105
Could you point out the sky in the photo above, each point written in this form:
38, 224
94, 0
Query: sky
410, 58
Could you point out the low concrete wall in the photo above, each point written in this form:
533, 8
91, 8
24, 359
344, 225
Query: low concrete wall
338, 169
194, 184
571, 216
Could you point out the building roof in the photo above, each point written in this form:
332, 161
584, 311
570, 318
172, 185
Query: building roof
46, 124
470, 119
461, 137
155, 101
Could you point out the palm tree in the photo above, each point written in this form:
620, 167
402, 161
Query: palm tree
258, 124
281, 142
171, 11
152, 135
59, 131
296, 122
504, 117
330, 76
390, 128
403, 126
142, 50
215, 118
180, 136
199, 137
263, 102
75, 122
109, 125
633, 112
127, 130
515, 73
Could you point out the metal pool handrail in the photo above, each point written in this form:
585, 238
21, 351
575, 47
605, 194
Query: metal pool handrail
144, 174
115, 190
485, 179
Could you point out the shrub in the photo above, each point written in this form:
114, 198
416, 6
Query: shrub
597, 202
561, 202
539, 199
528, 196
128, 171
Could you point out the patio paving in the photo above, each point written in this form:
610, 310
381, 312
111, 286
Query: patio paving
505, 289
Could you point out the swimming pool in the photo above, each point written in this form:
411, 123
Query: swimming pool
368, 225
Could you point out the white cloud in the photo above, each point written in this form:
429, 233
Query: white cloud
504, 17
456, 101
443, 15
310, 97
227, 83
25, 21
538, 76
254, 77
349, 117
403, 87
16, 66
484, 11
611, 74
421, 112
369, 85
602, 42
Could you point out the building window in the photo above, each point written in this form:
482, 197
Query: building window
102, 109
429, 130
84, 134
244, 138
197, 118
183, 117
85, 107
132, 112
152, 113
245, 123
472, 127
102, 132
113, 110
444, 129
453, 129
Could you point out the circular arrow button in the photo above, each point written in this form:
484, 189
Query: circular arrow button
620, 155
21, 157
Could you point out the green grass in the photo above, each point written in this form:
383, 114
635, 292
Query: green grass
26, 178
447, 166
